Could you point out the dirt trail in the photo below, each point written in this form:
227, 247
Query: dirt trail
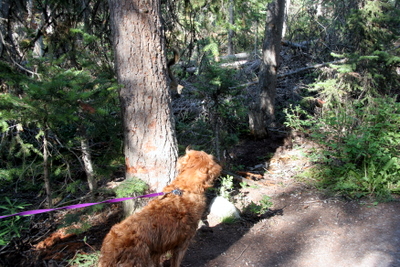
311, 231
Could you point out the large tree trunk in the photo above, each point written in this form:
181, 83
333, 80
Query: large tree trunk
150, 145
262, 114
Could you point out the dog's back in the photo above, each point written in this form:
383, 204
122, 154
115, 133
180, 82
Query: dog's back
165, 224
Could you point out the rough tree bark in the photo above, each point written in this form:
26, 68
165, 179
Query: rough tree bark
150, 145
262, 113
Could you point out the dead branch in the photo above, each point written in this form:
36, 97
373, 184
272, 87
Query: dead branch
317, 66
239, 56
293, 45
283, 75
237, 64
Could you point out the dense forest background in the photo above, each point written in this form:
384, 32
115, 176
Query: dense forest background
60, 115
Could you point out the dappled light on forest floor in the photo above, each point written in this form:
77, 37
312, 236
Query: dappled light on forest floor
304, 227
312, 231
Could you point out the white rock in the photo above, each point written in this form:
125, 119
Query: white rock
223, 208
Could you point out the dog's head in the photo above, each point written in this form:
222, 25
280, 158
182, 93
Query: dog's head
198, 169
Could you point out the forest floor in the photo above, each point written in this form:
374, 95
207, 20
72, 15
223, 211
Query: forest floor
305, 226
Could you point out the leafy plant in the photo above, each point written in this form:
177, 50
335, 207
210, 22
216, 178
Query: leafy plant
297, 118
362, 148
12, 227
224, 116
371, 179
359, 125
57, 107
229, 220
226, 186
130, 187
85, 260
264, 204
244, 184
78, 222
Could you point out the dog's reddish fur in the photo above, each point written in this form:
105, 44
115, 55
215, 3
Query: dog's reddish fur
167, 223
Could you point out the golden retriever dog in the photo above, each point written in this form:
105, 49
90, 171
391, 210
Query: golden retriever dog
166, 224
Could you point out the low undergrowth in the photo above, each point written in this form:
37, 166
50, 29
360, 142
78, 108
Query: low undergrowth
360, 155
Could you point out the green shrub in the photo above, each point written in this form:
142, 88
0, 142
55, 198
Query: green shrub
85, 260
130, 187
262, 207
79, 219
359, 124
229, 220
380, 180
224, 115
13, 226
297, 118
226, 187
362, 147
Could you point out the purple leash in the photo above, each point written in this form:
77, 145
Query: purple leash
76, 206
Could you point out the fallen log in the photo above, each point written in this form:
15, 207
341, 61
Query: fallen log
293, 45
317, 66
239, 56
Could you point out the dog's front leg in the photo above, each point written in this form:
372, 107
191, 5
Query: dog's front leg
156, 258
178, 253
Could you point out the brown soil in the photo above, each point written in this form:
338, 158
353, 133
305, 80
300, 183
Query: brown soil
305, 227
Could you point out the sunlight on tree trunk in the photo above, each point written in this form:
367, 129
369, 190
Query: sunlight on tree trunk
87, 164
262, 113
149, 136
85, 150
286, 18
46, 172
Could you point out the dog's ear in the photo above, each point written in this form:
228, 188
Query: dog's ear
183, 161
210, 168
180, 163
213, 169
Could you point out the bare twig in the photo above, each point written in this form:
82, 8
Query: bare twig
240, 255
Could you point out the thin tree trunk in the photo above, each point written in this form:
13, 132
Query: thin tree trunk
46, 172
87, 163
231, 50
263, 113
149, 136
4, 20
255, 52
215, 122
285, 21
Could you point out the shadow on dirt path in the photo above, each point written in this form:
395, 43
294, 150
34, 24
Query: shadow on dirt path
312, 231
213, 242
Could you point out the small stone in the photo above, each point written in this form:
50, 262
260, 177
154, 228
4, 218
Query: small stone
222, 208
